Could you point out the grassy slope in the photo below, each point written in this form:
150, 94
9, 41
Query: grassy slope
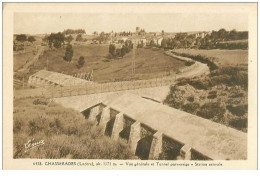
65, 132
20, 59
149, 63
222, 57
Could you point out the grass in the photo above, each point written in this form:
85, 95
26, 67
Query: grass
21, 59
65, 132
150, 63
222, 58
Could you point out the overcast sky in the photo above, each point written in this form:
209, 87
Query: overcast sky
42, 23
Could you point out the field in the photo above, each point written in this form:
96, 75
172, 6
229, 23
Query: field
21, 59
150, 63
64, 132
222, 58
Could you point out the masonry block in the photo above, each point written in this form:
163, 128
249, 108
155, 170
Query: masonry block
105, 117
156, 147
93, 114
185, 152
118, 126
135, 136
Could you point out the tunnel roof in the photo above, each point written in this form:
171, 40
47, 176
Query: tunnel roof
60, 78
217, 141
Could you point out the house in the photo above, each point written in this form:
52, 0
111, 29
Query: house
159, 41
202, 34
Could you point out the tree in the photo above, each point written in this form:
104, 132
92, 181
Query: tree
69, 38
152, 43
123, 51
21, 37
31, 39
112, 50
56, 40
68, 53
79, 38
81, 62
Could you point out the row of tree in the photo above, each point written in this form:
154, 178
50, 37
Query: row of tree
23, 38
74, 31
215, 40
120, 52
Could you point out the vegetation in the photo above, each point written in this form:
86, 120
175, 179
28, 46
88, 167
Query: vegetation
74, 31
69, 38
81, 61
21, 37
31, 39
221, 96
205, 60
112, 50
79, 38
221, 58
56, 40
216, 40
68, 53
65, 133
117, 52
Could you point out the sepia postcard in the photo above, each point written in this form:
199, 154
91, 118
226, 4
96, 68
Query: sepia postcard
130, 86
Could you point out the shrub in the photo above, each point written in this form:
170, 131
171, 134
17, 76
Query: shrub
81, 62
238, 110
189, 63
212, 66
211, 110
199, 84
191, 99
40, 102
240, 124
191, 107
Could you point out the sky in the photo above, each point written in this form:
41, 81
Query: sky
45, 23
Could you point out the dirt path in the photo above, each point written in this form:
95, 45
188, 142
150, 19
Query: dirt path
33, 60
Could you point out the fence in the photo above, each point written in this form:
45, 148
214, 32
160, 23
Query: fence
107, 87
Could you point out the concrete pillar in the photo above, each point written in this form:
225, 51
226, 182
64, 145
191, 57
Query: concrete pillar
156, 147
118, 126
105, 117
135, 135
185, 152
93, 114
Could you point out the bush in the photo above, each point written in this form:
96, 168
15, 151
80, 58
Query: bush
81, 62
212, 66
238, 110
40, 102
189, 63
191, 108
240, 124
211, 110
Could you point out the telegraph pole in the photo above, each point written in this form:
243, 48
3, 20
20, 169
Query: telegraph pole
47, 64
133, 61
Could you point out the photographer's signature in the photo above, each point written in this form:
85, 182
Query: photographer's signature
30, 144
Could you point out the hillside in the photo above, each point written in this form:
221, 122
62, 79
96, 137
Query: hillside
150, 63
